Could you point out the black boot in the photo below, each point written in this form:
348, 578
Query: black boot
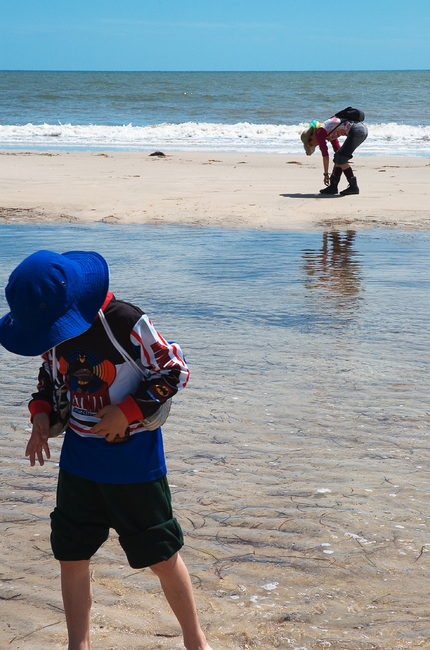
332, 188
352, 187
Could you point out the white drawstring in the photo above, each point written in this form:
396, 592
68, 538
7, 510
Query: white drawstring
141, 372
54, 366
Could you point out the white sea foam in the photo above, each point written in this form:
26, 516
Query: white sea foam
384, 139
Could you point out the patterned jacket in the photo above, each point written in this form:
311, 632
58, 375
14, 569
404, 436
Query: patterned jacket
97, 375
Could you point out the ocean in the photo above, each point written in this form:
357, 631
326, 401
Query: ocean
209, 111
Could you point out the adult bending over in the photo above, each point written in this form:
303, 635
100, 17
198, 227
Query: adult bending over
329, 131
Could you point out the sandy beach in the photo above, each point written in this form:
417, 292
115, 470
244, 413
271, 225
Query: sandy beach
227, 190
303, 494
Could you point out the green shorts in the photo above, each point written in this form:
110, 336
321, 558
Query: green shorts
141, 514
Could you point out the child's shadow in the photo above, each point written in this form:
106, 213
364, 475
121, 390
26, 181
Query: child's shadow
298, 195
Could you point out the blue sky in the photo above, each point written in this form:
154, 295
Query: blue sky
216, 35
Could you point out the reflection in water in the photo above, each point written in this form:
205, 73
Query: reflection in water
334, 269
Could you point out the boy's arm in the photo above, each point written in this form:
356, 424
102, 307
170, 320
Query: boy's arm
42, 399
40, 408
167, 374
38, 442
167, 371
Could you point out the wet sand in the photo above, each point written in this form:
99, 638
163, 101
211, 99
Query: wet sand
227, 190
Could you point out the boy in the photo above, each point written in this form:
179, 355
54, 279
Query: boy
112, 468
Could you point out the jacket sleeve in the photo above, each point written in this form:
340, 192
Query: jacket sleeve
321, 136
165, 366
336, 145
42, 399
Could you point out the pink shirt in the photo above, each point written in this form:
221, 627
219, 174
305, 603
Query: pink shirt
330, 131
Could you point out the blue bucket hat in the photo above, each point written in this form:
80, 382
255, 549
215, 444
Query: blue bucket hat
52, 297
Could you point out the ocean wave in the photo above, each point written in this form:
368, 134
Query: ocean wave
384, 138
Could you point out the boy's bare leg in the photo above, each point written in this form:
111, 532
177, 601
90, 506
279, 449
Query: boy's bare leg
176, 584
77, 599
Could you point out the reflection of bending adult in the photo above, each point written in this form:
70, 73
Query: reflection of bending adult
333, 267
329, 131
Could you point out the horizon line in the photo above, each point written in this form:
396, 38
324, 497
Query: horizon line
216, 71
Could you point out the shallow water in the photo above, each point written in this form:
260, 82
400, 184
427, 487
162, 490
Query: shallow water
298, 455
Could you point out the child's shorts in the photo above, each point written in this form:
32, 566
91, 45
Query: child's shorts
141, 513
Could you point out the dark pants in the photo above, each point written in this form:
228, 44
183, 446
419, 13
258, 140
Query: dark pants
357, 134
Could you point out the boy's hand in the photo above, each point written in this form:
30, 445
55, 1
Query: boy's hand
112, 423
38, 442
